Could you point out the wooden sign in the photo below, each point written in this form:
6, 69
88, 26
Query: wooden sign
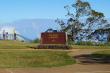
53, 38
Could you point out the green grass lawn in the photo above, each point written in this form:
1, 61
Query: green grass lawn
22, 45
29, 59
15, 45
32, 58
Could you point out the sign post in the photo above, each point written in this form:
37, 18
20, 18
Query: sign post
53, 40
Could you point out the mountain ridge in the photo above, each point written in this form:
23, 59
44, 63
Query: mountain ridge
32, 28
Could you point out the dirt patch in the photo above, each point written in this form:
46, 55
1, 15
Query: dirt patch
89, 59
77, 68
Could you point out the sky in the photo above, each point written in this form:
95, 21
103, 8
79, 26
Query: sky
12, 10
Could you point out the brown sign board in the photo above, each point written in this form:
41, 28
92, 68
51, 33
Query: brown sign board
53, 38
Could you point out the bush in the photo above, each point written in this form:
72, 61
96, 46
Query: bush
108, 44
93, 43
100, 44
36, 41
70, 42
103, 44
84, 43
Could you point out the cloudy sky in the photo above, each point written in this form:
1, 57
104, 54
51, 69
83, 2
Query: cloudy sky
12, 10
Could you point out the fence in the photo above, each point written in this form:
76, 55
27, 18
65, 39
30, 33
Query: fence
8, 37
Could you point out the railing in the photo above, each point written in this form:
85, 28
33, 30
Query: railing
13, 37
25, 38
7, 37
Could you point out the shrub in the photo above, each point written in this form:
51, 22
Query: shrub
70, 42
36, 40
84, 43
108, 44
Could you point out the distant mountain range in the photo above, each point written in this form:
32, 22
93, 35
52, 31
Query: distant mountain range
32, 28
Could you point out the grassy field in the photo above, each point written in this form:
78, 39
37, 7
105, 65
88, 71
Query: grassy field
10, 58
15, 45
22, 45
17, 58
28, 59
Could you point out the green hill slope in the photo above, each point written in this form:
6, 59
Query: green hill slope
14, 45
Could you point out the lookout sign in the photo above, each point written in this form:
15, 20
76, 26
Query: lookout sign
53, 38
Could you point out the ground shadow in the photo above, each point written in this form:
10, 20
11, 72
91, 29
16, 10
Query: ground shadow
91, 59
41, 46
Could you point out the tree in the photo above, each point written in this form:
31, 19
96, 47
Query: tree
37, 40
78, 11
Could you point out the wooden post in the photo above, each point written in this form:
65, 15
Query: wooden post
14, 35
3, 34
